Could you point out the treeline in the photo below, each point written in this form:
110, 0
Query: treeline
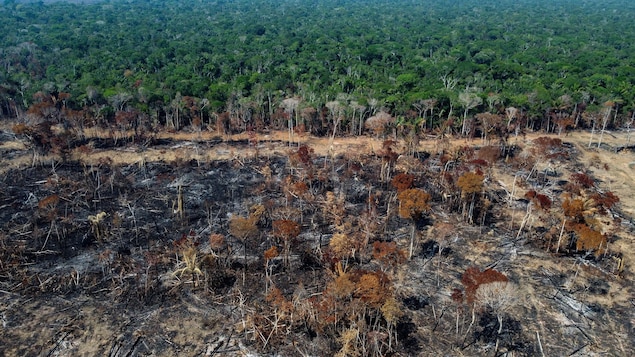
323, 66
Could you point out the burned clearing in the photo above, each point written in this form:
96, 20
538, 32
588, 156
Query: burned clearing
463, 249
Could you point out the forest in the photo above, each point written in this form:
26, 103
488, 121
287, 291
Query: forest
178, 63
317, 178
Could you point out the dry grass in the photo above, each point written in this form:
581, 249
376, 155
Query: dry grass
615, 170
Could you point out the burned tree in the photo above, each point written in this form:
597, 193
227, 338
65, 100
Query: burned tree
286, 230
470, 184
412, 204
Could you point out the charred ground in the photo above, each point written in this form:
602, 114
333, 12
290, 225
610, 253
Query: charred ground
276, 249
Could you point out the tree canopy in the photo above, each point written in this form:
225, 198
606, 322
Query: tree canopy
243, 57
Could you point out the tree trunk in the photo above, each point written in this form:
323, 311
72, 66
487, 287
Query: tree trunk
464, 126
470, 213
561, 233
605, 121
412, 240
628, 134
577, 116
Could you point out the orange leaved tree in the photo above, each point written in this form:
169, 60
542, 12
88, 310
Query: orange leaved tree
402, 182
243, 228
589, 239
286, 230
412, 204
269, 255
470, 184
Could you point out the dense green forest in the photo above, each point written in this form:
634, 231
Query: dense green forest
323, 65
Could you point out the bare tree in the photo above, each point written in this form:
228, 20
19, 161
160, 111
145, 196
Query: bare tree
379, 122
591, 118
497, 296
606, 116
511, 113
357, 108
422, 106
373, 104
290, 106
470, 100
449, 82
336, 111
119, 100
629, 125
176, 106
429, 104
493, 99
489, 122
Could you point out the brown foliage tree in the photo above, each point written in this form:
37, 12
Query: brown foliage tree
474, 277
564, 123
577, 212
605, 201
342, 286
388, 253
47, 207
243, 228
412, 204
388, 159
373, 288
589, 239
540, 200
489, 123
470, 184
286, 230
402, 182
333, 209
269, 255
583, 180
490, 153
304, 154
273, 321
379, 122
342, 246
549, 148
48, 202
574, 209
216, 241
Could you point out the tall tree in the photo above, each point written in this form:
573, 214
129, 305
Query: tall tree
290, 106
470, 184
412, 204
470, 99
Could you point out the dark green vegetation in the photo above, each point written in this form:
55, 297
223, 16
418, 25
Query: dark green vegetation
245, 56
